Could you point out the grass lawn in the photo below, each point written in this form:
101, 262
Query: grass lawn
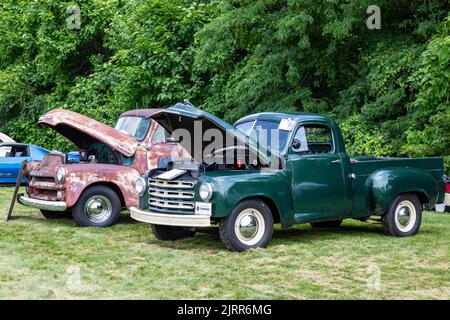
54, 259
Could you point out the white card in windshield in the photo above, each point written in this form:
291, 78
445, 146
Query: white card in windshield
286, 124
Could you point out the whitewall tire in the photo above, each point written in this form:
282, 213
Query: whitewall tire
404, 216
249, 226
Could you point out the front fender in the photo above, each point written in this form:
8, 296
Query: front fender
231, 189
385, 184
80, 177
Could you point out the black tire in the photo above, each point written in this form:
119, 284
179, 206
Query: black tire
412, 216
57, 214
327, 224
110, 207
255, 210
166, 233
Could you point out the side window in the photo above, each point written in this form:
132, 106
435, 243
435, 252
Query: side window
19, 151
314, 139
159, 136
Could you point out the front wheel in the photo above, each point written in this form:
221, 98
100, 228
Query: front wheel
404, 216
98, 206
250, 225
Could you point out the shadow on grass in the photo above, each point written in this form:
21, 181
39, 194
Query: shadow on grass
41, 221
281, 236
201, 241
124, 219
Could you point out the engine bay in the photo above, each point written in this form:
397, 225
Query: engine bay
100, 153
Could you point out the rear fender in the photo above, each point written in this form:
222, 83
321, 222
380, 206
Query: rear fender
385, 184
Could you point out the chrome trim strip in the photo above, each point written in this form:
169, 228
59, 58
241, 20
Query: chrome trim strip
171, 184
42, 204
170, 204
188, 220
169, 194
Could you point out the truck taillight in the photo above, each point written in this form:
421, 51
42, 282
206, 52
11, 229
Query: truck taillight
447, 187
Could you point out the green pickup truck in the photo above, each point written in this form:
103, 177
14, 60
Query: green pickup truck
287, 168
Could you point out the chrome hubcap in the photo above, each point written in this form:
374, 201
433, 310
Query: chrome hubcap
98, 208
405, 216
249, 226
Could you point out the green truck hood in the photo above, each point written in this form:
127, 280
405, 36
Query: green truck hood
184, 117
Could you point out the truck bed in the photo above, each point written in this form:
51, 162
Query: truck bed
364, 166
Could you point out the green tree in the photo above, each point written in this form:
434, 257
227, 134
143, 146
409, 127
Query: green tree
429, 126
319, 56
387, 88
127, 54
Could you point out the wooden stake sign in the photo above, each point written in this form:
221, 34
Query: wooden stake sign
16, 190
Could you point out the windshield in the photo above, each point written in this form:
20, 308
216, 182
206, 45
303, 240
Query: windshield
136, 127
266, 133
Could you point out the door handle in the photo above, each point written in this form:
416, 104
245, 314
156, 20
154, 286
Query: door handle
336, 161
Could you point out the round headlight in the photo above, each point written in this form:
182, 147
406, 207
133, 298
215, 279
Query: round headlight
205, 191
60, 175
140, 185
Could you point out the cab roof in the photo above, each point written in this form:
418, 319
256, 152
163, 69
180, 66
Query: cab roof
278, 116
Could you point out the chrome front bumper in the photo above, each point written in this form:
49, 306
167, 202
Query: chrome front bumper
179, 220
42, 204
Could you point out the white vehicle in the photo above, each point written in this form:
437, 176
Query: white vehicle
4, 139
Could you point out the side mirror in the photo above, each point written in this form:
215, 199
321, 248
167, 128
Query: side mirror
296, 144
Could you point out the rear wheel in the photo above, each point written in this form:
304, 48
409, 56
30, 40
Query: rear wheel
404, 216
327, 224
171, 233
250, 225
98, 206
56, 214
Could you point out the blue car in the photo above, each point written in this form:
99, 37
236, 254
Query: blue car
73, 157
11, 157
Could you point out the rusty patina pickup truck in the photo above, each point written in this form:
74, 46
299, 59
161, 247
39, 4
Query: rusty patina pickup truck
287, 168
96, 190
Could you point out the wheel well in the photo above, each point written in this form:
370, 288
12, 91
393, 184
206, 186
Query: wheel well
112, 186
422, 197
272, 206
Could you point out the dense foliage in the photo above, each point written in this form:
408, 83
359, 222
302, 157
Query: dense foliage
388, 88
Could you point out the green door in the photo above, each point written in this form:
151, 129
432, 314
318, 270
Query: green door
321, 186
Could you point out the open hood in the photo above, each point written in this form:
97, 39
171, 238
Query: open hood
83, 131
184, 118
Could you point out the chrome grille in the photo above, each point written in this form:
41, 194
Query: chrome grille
176, 195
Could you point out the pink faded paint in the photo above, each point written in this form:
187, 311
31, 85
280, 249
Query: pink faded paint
120, 178
81, 130
143, 156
